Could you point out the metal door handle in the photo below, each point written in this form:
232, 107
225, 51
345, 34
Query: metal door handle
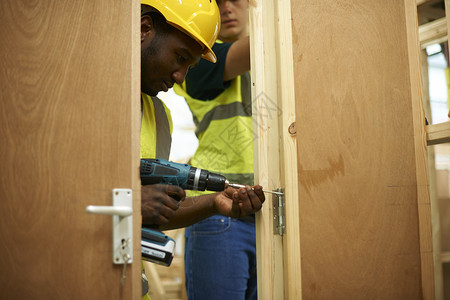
121, 211
122, 224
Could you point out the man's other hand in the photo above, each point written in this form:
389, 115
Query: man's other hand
239, 203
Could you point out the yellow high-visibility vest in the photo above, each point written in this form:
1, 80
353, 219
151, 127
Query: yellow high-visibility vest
156, 139
224, 131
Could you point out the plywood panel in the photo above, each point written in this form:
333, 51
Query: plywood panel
358, 186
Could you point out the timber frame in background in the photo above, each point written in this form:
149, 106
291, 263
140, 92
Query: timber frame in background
433, 29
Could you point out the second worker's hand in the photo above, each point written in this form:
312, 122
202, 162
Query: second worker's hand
159, 203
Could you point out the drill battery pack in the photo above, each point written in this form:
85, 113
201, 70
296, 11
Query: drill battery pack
157, 247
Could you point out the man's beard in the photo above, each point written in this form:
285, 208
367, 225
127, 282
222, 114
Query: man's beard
148, 56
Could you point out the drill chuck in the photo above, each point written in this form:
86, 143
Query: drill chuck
200, 180
215, 182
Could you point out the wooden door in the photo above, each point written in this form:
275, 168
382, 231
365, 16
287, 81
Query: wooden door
346, 141
69, 122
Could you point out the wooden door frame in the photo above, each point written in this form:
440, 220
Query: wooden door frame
275, 145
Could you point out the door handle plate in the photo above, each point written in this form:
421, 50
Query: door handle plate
122, 228
122, 224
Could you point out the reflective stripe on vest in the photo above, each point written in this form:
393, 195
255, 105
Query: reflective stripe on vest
163, 132
156, 128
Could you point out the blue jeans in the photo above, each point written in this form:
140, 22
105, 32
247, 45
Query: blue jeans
220, 260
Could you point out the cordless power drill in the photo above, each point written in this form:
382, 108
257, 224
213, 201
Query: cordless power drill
155, 246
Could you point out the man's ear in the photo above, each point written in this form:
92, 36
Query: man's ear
147, 28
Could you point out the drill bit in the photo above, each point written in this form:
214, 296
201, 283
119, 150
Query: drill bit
237, 186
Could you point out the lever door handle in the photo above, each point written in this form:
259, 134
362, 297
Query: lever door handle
122, 224
121, 211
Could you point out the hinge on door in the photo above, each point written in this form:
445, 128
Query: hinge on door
279, 212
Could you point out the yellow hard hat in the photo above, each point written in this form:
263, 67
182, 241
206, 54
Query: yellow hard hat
198, 18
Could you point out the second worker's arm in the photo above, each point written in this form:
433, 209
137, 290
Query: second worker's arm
238, 59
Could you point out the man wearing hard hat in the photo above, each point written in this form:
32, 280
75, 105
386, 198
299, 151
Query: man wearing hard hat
175, 34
